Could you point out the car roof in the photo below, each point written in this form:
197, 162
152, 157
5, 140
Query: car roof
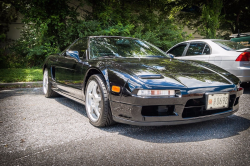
205, 40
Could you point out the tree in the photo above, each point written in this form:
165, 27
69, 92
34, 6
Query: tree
7, 15
234, 15
210, 19
52, 25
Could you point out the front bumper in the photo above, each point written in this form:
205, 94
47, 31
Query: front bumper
132, 112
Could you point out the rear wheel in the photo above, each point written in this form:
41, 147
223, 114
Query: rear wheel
97, 102
48, 92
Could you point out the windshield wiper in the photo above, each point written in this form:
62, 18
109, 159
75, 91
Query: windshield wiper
155, 56
109, 56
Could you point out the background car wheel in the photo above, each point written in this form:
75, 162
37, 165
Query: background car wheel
97, 102
48, 92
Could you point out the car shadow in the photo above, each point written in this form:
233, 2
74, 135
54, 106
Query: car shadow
79, 108
213, 129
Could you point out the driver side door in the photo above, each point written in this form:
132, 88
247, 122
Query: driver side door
69, 68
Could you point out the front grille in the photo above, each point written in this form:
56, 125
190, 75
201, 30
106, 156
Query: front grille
197, 107
164, 110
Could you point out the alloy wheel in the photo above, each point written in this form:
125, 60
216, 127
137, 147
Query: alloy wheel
45, 81
93, 101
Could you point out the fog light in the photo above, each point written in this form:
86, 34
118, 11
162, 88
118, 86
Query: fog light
156, 93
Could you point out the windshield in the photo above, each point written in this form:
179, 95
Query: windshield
122, 47
229, 45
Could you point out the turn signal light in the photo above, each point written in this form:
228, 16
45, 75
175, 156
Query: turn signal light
116, 89
245, 56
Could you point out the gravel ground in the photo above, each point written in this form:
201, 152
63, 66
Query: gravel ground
39, 131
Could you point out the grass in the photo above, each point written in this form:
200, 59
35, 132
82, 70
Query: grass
21, 75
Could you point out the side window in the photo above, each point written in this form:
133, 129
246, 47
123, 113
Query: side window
195, 49
80, 46
206, 50
178, 50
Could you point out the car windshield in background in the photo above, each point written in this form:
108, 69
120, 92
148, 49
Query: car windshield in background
122, 47
229, 45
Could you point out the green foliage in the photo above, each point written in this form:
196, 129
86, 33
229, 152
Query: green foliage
30, 50
21, 75
52, 25
164, 35
232, 16
210, 19
7, 15
236, 16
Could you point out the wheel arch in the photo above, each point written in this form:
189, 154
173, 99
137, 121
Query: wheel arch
51, 70
93, 71
44, 66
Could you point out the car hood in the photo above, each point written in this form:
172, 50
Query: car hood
172, 71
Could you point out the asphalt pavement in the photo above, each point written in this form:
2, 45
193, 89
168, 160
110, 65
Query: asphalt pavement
35, 130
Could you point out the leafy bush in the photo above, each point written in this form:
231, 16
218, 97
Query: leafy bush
51, 28
164, 35
29, 50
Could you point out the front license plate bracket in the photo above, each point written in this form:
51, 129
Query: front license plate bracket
217, 101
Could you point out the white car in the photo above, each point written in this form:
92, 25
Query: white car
226, 54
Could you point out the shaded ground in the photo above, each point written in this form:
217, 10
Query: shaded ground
40, 131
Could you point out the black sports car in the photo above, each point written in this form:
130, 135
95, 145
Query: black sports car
121, 79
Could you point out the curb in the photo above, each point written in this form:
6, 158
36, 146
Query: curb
21, 85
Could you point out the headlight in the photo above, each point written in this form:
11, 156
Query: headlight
156, 93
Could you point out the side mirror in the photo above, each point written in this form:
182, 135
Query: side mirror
73, 54
170, 55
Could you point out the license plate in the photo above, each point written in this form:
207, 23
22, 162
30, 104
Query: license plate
217, 101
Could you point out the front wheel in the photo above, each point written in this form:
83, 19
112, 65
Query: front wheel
48, 92
97, 102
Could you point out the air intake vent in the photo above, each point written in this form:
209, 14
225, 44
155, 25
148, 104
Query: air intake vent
155, 76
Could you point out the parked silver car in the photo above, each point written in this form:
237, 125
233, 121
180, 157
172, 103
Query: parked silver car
226, 54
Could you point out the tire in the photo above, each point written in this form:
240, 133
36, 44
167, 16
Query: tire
97, 102
48, 92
